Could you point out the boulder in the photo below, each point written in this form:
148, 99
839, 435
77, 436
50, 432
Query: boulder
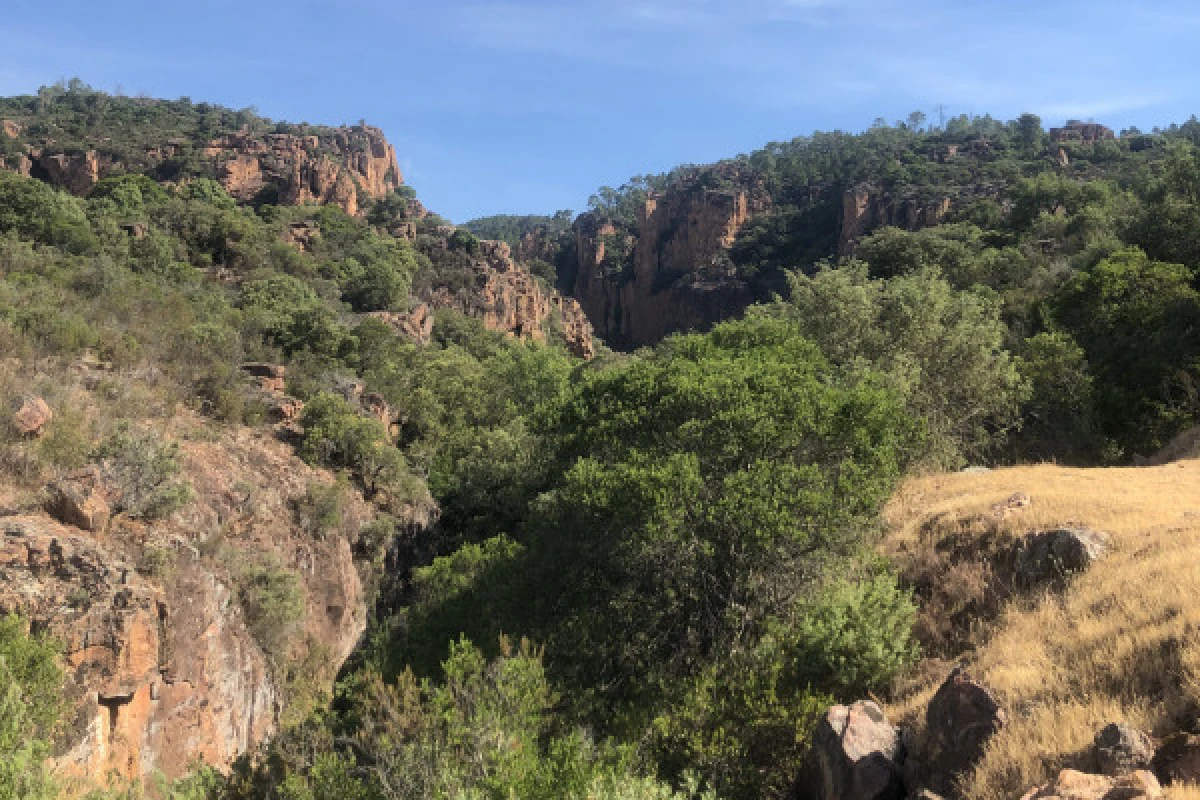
961, 718
1178, 759
31, 415
1052, 555
1122, 749
79, 501
1073, 785
856, 755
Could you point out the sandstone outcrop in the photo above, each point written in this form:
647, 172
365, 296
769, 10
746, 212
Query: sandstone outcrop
415, 325
1076, 131
269, 377
346, 166
75, 172
509, 299
80, 500
855, 755
676, 275
157, 678
163, 666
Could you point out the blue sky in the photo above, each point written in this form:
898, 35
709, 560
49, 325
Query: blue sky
526, 106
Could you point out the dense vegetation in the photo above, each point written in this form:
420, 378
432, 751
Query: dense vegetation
650, 571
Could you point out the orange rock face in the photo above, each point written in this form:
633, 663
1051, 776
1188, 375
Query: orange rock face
346, 167
677, 278
77, 172
510, 300
866, 207
163, 671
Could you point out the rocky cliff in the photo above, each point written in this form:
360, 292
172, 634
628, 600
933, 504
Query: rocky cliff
164, 668
672, 272
510, 300
866, 207
345, 166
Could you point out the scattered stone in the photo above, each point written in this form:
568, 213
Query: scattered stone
79, 501
31, 415
976, 470
1053, 555
1122, 749
1011, 505
960, 720
1178, 759
855, 755
1073, 785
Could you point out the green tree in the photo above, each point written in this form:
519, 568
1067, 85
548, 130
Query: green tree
30, 704
1138, 321
939, 348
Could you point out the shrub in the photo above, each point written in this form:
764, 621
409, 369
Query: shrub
321, 509
272, 598
145, 470
854, 637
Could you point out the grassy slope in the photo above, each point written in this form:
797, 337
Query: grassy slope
1122, 643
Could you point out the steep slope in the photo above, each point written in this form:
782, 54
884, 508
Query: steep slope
1117, 644
191, 638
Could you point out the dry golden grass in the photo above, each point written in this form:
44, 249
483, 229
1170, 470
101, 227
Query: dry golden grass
1122, 643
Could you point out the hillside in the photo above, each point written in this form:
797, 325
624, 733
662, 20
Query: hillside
705, 493
1116, 645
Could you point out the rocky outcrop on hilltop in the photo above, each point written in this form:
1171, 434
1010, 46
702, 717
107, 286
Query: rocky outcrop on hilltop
673, 273
507, 298
345, 166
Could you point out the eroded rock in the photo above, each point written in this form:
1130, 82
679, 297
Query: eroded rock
80, 501
856, 755
676, 274
508, 299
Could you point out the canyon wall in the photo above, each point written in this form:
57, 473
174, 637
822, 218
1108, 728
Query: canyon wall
677, 276
510, 300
